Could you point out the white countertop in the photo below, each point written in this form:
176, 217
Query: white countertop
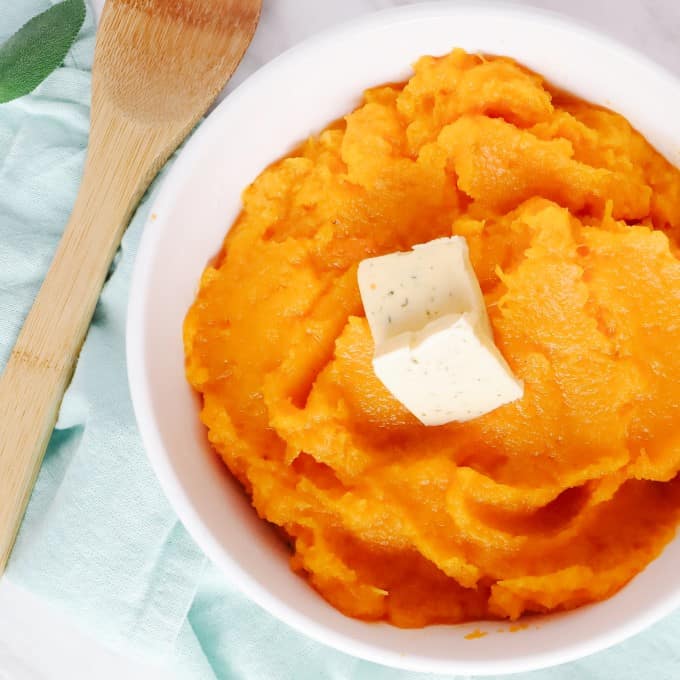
37, 643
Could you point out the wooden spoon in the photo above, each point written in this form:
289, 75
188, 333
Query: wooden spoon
158, 66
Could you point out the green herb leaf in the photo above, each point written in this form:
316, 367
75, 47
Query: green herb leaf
38, 48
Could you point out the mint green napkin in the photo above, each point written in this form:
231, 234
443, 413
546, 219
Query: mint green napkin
99, 540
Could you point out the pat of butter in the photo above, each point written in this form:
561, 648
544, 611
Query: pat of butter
434, 348
405, 291
448, 371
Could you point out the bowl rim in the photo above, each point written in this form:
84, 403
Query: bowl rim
140, 392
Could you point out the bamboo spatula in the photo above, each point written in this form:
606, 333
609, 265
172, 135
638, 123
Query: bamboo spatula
158, 66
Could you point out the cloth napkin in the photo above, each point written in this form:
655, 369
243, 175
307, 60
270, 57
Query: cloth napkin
99, 540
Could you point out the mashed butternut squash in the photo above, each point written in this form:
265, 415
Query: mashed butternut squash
573, 223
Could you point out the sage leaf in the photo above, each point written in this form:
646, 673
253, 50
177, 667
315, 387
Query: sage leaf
38, 48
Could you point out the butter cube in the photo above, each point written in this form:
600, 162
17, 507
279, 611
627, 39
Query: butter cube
448, 371
405, 291
434, 347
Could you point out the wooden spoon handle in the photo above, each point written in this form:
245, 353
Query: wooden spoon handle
42, 361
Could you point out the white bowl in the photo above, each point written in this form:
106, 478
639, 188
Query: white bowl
295, 95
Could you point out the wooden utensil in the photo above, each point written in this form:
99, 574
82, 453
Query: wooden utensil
158, 66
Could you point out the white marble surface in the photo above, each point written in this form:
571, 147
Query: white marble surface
36, 643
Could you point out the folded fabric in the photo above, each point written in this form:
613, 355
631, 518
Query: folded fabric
100, 540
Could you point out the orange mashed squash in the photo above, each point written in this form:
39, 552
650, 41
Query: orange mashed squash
573, 224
